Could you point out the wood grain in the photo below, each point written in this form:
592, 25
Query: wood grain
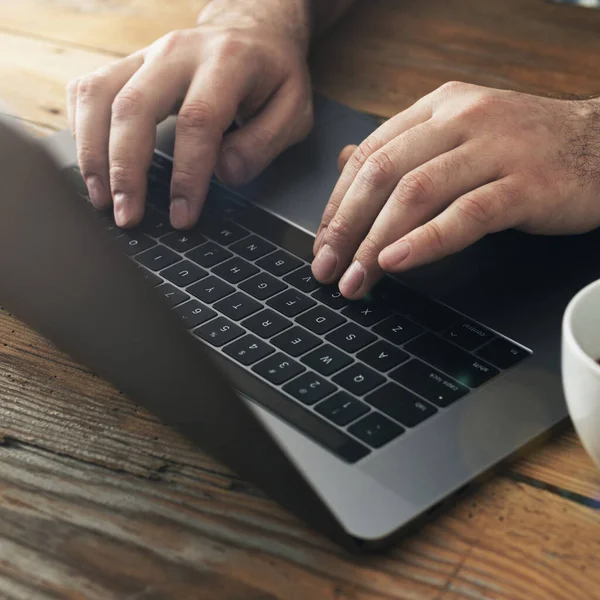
98, 500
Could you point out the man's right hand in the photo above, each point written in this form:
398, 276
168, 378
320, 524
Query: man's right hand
235, 64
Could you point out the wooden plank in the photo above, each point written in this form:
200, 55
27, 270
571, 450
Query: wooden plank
34, 74
100, 500
384, 55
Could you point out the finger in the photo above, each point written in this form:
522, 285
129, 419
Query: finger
286, 120
418, 113
95, 95
419, 196
208, 110
72, 104
372, 188
144, 101
488, 209
345, 155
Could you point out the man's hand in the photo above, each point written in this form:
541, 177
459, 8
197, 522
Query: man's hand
460, 163
244, 60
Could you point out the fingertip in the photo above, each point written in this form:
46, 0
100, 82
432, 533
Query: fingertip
127, 213
393, 258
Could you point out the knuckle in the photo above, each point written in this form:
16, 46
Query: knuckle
90, 86
196, 115
338, 230
128, 103
230, 45
452, 87
170, 42
369, 249
363, 152
476, 207
415, 189
121, 178
379, 169
434, 238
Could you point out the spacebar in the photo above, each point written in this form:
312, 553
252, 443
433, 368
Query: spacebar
299, 417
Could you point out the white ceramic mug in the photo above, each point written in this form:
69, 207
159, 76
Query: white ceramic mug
580, 371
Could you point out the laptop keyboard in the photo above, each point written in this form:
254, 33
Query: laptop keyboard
353, 376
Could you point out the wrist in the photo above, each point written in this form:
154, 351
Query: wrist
290, 19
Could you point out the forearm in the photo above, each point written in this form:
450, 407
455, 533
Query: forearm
300, 19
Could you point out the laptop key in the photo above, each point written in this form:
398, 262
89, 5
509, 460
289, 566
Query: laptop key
367, 312
211, 289
158, 258
279, 263
309, 388
194, 313
238, 306
208, 255
219, 331
358, 379
382, 356
303, 280
252, 247
155, 223
263, 286
291, 303
248, 350
429, 383
266, 323
342, 409
401, 405
278, 368
135, 242
468, 335
376, 430
320, 320
459, 364
296, 341
183, 241
223, 232
434, 315
184, 273
331, 296
235, 270
502, 353
171, 294
351, 337
398, 330
327, 360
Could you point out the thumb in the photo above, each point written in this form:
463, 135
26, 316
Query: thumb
245, 153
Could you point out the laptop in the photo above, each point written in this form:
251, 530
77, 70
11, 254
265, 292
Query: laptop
360, 417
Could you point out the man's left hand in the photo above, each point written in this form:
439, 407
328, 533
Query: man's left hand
462, 162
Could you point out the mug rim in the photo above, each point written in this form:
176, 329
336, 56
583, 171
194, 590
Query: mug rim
568, 323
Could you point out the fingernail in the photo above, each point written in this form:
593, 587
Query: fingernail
319, 240
393, 256
325, 263
97, 192
180, 213
123, 210
353, 279
233, 167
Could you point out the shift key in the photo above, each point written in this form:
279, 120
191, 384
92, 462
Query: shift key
460, 365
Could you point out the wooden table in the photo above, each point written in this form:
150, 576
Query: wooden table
98, 500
